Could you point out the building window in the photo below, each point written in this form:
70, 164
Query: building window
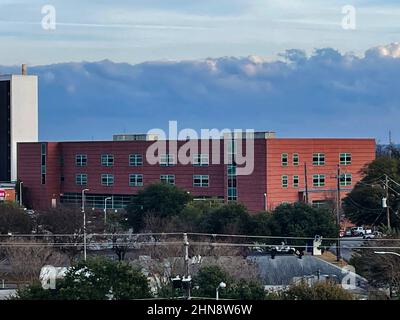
200, 181
167, 160
285, 181
81, 179
296, 159
136, 180
81, 160
200, 160
284, 159
295, 181
168, 178
318, 159
232, 147
135, 160
345, 179
345, 158
318, 180
107, 179
107, 160
231, 170
43, 163
232, 194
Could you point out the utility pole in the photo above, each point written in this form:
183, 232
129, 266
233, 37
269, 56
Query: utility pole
84, 223
338, 213
387, 199
306, 181
186, 279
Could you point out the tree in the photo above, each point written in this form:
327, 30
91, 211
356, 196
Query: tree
27, 258
318, 291
381, 271
302, 220
209, 277
230, 218
67, 223
363, 205
161, 199
95, 279
14, 220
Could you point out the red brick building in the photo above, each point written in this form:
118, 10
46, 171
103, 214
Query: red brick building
57, 172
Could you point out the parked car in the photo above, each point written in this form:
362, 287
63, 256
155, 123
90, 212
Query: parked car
360, 231
373, 235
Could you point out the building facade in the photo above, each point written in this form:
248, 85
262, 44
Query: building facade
18, 119
285, 170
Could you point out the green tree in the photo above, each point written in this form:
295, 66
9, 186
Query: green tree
95, 279
161, 199
230, 218
381, 271
302, 220
318, 291
13, 219
208, 279
363, 205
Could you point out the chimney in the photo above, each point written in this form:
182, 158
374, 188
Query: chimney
24, 70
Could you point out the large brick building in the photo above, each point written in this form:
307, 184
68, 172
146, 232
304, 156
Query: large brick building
57, 172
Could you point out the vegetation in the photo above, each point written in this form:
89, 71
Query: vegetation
318, 291
96, 279
209, 278
363, 205
14, 220
381, 271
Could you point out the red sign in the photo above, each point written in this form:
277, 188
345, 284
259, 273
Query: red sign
2, 194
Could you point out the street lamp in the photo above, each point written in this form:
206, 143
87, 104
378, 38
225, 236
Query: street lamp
387, 252
105, 209
222, 285
84, 223
20, 193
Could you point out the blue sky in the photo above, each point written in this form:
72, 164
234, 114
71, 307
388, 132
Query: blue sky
136, 31
209, 64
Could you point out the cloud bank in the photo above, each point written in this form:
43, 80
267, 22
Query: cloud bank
327, 94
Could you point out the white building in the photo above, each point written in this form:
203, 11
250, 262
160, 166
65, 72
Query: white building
18, 119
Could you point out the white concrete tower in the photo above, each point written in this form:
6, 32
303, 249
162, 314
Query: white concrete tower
18, 119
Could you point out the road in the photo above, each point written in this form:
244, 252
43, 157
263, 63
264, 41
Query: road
346, 245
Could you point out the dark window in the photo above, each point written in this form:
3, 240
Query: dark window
107, 160
81, 160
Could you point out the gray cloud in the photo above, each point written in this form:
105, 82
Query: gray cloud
326, 94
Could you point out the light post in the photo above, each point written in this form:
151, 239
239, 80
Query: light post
84, 223
20, 193
387, 252
222, 285
105, 210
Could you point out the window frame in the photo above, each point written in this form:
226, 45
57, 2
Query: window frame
79, 160
202, 178
319, 177
108, 176
105, 160
297, 157
135, 160
165, 160
285, 177
81, 175
343, 179
286, 162
345, 156
296, 185
318, 162
137, 182
168, 178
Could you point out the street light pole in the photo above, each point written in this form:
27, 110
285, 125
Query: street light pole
84, 223
387, 252
222, 285
105, 209
20, 193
